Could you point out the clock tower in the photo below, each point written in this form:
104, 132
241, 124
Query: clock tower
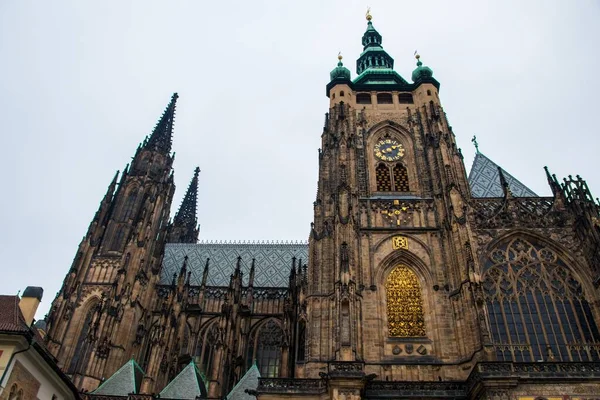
389, 240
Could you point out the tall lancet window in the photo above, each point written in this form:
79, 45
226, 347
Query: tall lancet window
537, 307
205, 349
265, 347
129, 206
83, 344
383, 178
404, 303
400, 178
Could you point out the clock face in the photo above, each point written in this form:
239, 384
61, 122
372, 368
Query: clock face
388, 150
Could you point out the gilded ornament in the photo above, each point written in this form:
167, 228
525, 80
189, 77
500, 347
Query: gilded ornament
404, 304
399, 242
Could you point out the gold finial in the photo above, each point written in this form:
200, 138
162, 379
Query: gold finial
340, 56
417, 56
368, 15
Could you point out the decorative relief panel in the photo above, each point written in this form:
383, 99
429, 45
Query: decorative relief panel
404, 304
400, 242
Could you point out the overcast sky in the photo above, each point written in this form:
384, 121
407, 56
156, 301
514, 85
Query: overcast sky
82, 83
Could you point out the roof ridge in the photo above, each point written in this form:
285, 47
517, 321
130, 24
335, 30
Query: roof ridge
245, 242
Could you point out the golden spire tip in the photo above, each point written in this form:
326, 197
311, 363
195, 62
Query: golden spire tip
340, 56
368, 15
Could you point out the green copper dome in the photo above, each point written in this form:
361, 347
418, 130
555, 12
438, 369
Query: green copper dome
421, 72
340, 72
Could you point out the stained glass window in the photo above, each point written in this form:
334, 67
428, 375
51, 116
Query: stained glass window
404, 303
265, 348
537, 308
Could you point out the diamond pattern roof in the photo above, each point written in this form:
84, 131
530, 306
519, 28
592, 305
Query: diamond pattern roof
126, 380
272, 265
485, 180
188, 385
248, 381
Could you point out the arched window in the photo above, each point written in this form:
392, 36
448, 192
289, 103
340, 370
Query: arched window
265, 347
205, 349
82, 347
341, 93
363, 98
384, 98
400, 178
536, 307
404, 303
117, 242
13, 392
383, 179
129, 206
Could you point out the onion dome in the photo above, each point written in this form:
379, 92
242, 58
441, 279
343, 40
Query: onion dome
421, 72
340, 72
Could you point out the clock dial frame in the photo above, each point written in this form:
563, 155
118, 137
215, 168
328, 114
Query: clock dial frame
389, 150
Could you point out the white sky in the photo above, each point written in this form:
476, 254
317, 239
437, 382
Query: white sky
82, 83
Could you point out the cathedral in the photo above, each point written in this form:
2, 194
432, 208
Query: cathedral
417, 281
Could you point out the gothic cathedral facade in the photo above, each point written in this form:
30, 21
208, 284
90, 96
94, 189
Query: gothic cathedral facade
417, 281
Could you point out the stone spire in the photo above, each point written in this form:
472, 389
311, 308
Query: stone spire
161, 137
185, 224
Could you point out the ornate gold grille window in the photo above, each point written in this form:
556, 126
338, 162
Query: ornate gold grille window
404, 303
400, 178
383, 178
537, 308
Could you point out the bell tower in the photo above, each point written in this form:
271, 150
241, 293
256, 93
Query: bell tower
389, 242
109, 288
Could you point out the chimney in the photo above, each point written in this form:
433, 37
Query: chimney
30, 300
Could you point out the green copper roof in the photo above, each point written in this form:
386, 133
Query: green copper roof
421, 72
125, 381
189, 384
340, 72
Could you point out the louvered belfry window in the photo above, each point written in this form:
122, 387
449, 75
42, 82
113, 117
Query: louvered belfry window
400, 178
383, 178
537, 307
391, 179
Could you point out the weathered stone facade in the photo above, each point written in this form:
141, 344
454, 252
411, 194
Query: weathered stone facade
414, 287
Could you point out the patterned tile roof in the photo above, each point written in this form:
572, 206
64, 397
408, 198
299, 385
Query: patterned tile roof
272, 265
187, 385
126, 380
248, 381
484, 180
11, 318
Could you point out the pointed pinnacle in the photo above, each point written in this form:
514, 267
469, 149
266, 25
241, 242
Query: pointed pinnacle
186, 215
162, 135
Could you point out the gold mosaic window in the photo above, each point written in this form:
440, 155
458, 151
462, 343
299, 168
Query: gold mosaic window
536, 306
383, 178
400, 178
404, 303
